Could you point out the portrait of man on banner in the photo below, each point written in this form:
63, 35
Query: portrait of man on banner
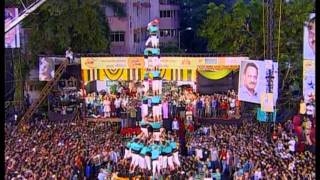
309, 39
250, 82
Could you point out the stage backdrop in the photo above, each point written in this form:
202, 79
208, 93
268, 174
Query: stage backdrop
207, 84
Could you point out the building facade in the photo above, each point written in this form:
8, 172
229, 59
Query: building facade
128, 32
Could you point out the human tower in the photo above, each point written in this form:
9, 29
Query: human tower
152, 149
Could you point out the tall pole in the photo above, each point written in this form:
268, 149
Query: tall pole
270, 50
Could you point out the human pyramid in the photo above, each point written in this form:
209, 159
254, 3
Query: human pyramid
152, 148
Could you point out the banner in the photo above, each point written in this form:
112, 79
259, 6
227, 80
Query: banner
252, 81
135, 62
309, 80
267, 102
309, 38
207, 67
12, 38
309, 51
46, 69
104, 62
181, 62
200, 63
224, 60
262, 116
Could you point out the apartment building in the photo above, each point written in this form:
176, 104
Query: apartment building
128, 33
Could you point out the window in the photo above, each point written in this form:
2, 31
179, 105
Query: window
117, 36
167, 13
168, 32
168, 1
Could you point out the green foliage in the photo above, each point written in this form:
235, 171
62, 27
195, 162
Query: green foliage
171, 48
60, 24
240, 30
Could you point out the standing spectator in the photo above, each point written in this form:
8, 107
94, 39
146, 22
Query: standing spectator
310, 110
69, 55
175, 125
117, 104
292, 145
106, 107
207, 107
199, 108
214, 107
302, 107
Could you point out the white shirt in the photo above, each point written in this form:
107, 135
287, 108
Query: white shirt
117, 103
102, 176
292, 144
257, 175
280, 146
199, 153
233, 103
291, 166
175, 125
214, 155
310, 110
124, 102
69, 54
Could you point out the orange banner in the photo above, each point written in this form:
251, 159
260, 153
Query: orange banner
135, 62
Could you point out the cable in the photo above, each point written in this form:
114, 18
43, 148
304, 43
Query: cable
279, 32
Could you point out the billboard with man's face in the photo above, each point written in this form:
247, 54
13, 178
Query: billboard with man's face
12, 38
46, 69
253, 82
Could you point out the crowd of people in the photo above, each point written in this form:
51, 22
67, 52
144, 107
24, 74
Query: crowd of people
74, 150
126, 103
79, 149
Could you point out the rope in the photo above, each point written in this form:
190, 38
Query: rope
279, 31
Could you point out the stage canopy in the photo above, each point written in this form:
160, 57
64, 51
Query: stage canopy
172, 68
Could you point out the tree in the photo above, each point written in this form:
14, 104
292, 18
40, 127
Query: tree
240, 30
60, 24
171, 47
57, 25
192, 14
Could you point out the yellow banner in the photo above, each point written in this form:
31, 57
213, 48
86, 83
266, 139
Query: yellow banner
267, 102
135, 62
217, 67
200, 63
181, 62
104, 62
